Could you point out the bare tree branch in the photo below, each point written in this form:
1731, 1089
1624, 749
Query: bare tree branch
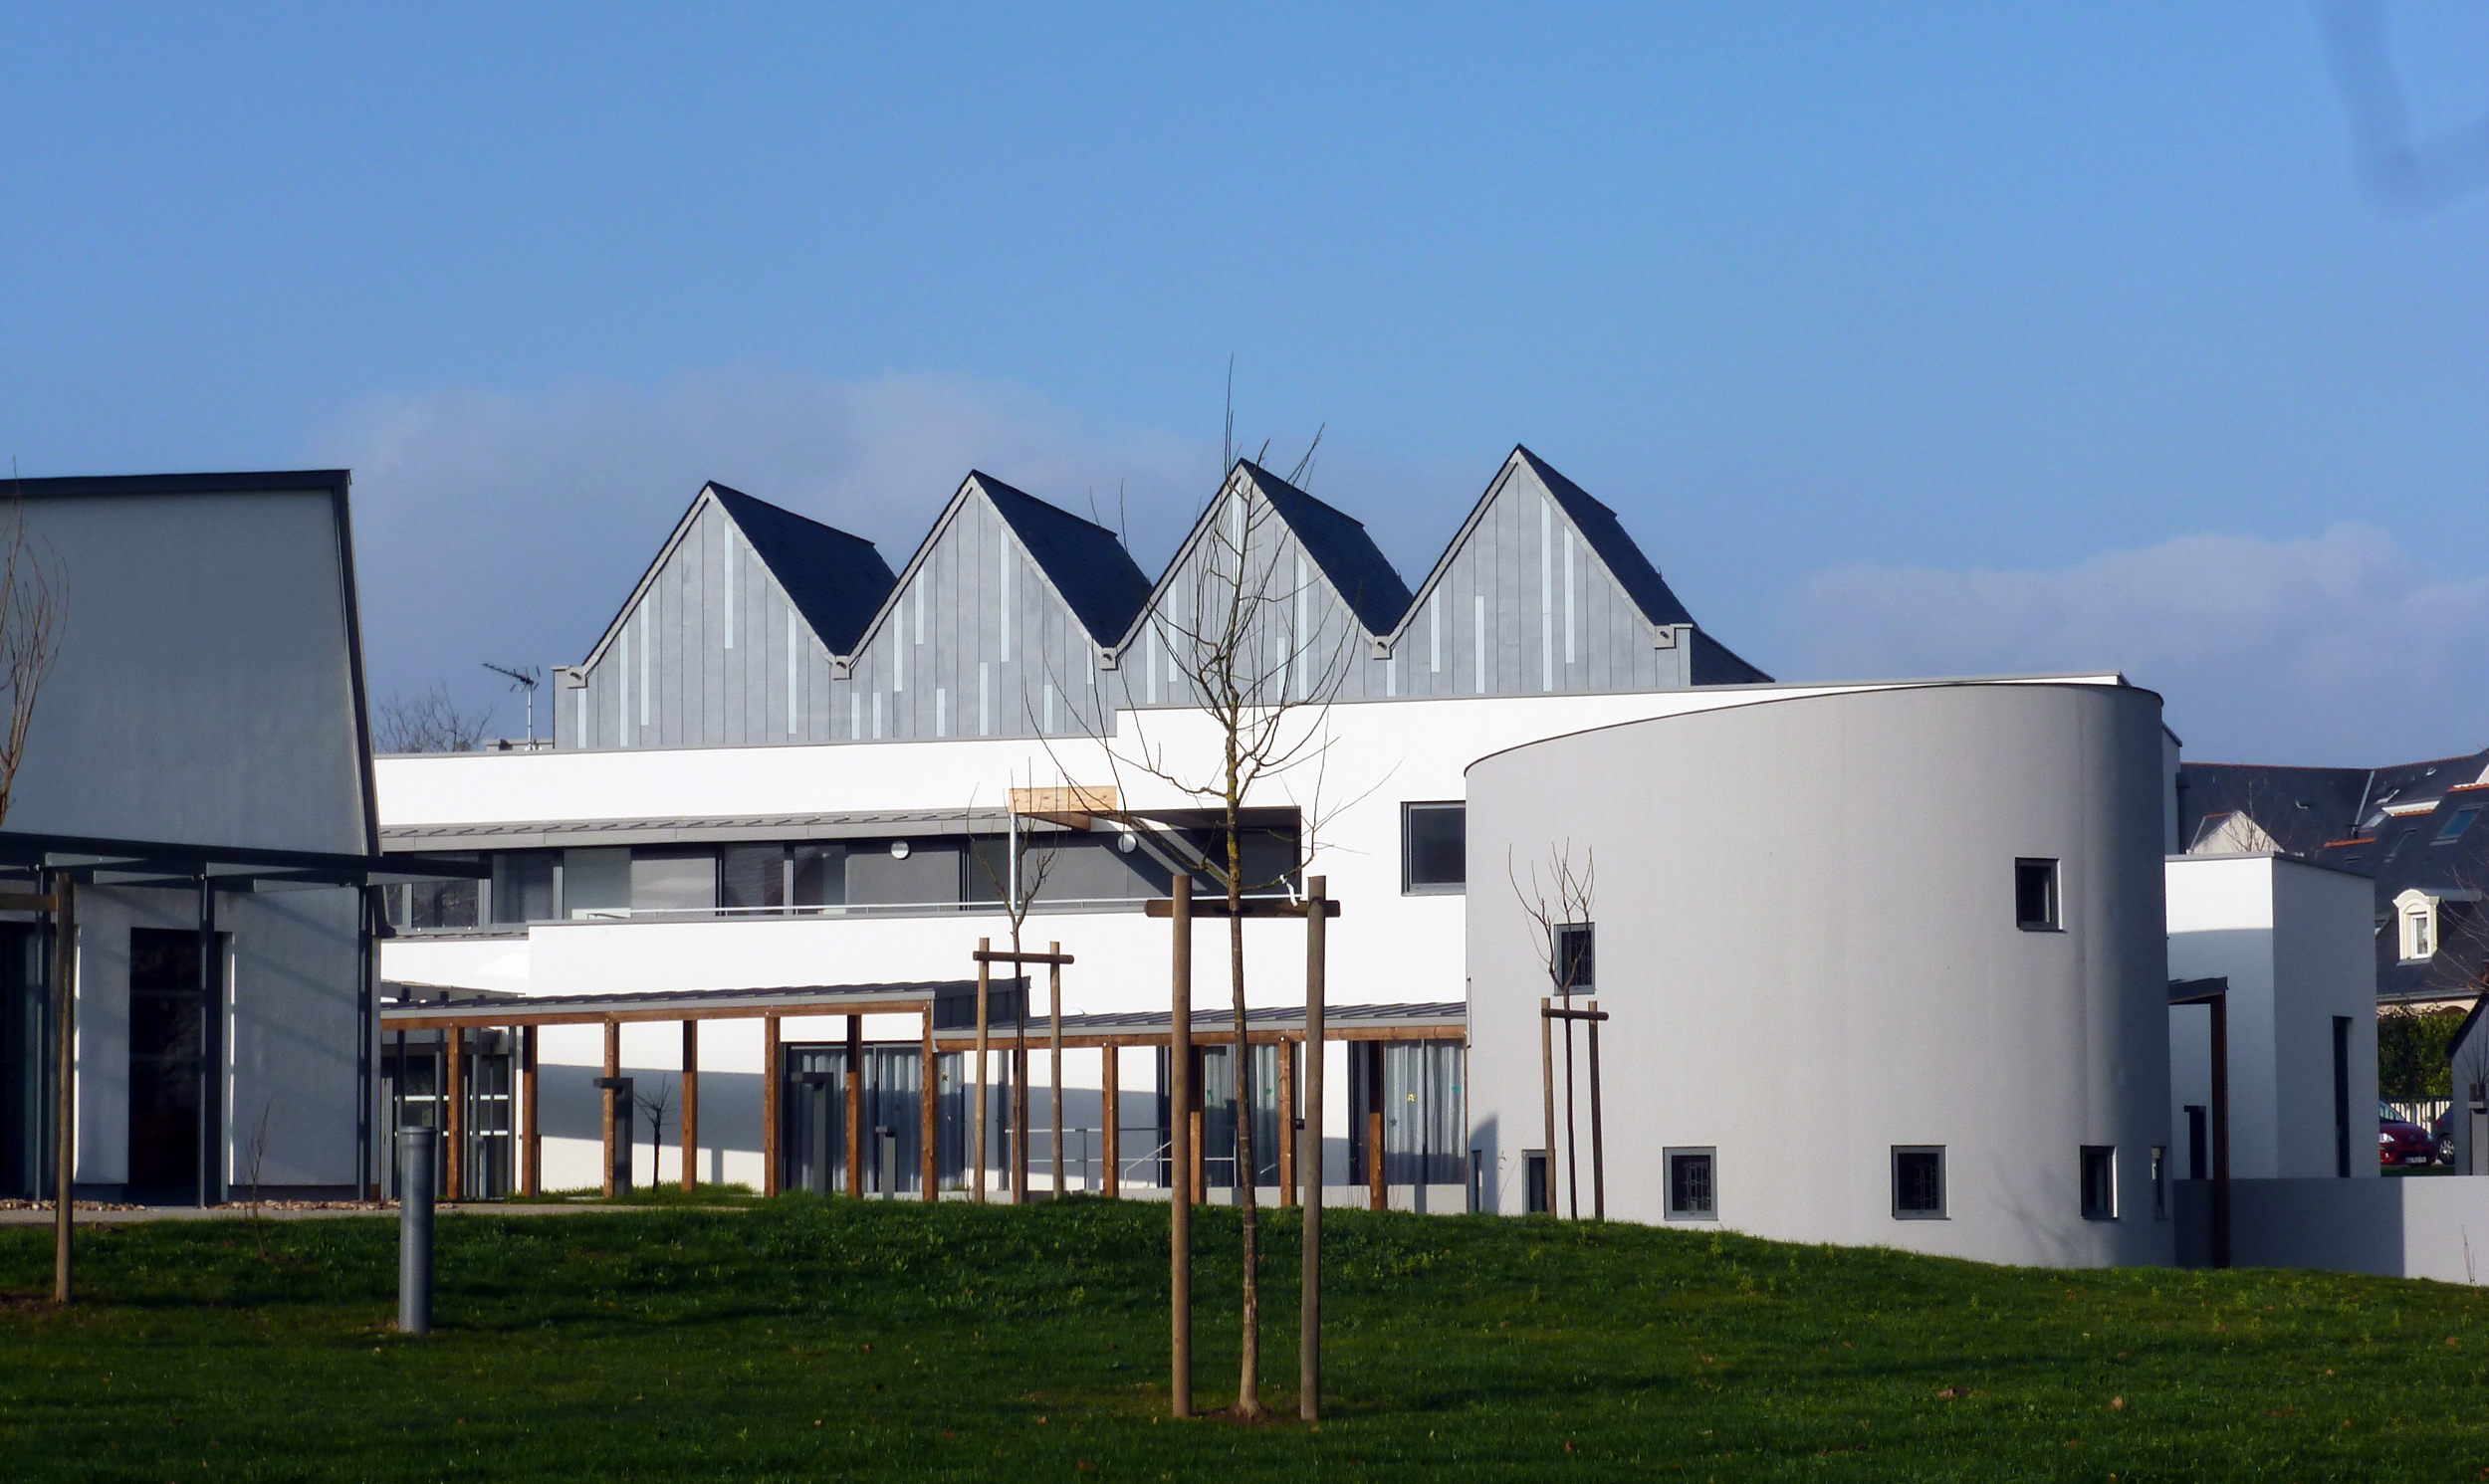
33, 605
428, 722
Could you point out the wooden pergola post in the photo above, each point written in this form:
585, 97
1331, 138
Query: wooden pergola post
691, 1105
454, 1108
613, 1073
64, 1070
1546, 1095
1110, 1068
1378, 1193
1180, 1101
531, 1150
977, 1118
1054, 1058
1287, 1124
929, 1113
856, 1104
770, 1094
1309, 1303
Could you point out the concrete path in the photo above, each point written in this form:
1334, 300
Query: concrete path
119, 1216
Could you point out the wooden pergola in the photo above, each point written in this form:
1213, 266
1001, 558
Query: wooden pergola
1366, 1026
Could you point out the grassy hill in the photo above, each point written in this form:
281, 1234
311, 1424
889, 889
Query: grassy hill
808, 1339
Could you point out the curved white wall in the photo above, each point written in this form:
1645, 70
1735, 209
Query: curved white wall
1807, 939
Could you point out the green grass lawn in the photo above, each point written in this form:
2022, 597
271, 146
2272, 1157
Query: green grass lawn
800, 1338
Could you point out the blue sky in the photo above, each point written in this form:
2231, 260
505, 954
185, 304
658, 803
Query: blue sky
1906, 339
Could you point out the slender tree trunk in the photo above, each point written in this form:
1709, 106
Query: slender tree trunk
1249, 1383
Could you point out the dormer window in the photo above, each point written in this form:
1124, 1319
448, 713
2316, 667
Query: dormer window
2419, 932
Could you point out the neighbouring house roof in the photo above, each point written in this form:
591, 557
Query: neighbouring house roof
1098, 579
835, 580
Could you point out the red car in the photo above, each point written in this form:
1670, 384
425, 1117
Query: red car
2401, 1143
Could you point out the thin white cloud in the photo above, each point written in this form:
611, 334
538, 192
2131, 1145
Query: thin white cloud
2345, 649
506, 527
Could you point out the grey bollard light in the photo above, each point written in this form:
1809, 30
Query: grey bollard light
414, 1230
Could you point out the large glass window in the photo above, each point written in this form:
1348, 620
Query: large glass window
596, 883
522, 886
751, 878
1433, 847
673, 880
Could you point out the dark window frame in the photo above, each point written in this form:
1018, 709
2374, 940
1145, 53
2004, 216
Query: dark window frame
1940, 1212
1686, 1210
1573, 945
2050, 918
2099, 1171
1410, 884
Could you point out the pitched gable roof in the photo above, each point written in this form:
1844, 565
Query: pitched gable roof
1338, 544
1599, 527
1097, 578
835, 580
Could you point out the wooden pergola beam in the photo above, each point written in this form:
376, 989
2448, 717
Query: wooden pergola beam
508, 1013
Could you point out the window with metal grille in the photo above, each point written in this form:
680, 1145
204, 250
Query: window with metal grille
1918, 1182
1691, 1194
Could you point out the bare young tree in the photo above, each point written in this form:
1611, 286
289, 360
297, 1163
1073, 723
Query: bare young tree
428, 722
33, 605
1016, 884
657, 1105
1254, 659
1559, 900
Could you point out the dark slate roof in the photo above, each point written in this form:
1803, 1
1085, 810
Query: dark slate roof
1714, 664
1338, 544
1634, 572
1096, 576
2335, 816
835, 580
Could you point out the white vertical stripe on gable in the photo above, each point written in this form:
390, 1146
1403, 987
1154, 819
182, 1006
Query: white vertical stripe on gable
898, 650
1050, 706
728, 573
1479, 610
1546, 594
855, 715
580, 731
1005, 548
794, 652
1434, 634
942, 711
1304, 638
643, 662
1570, 606
877, 716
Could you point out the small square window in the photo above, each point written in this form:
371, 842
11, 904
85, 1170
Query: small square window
2099, 1182
2455, 826
2035, 895
1690, 1194
1434, 848
1918, 1182
1575, 958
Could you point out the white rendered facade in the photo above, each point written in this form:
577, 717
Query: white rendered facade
1807, 938
2293, 940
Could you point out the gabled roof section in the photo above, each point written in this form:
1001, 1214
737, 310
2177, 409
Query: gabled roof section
1338, 544
1097, 578
835, 580
1599, 527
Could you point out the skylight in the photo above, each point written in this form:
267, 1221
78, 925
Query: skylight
2461, 821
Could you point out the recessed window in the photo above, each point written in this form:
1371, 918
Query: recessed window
1534, 1182
1575, 958
2099, 1182
1690, 1194
2035, 895
1918, 1182
2160, 1183
1433, 847
2461, 821
2419, 935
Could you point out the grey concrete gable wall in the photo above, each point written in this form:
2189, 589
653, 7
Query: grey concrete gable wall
701, 657
977, 643
1306, 629
1551, 616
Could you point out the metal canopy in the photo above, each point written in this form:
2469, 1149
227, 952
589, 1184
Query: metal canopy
228, 868
680, 1004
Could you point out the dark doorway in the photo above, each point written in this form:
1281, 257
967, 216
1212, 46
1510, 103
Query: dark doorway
24, 1077
171, 1031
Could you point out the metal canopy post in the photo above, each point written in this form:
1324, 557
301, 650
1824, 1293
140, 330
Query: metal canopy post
1309, 1162
977, 1118
64, 1090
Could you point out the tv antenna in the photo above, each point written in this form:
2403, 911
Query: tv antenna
527, 679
